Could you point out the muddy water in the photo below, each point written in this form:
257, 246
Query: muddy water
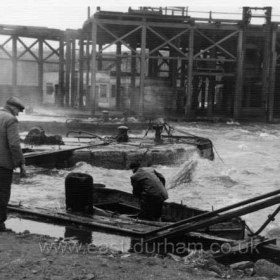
247, 164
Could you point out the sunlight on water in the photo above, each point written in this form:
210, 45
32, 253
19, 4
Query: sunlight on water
246, 164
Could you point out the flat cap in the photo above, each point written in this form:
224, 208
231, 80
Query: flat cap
16, 102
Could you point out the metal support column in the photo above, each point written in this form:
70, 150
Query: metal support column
68, 69
81, 72
189, 97
88, 61
266, 64
118, 75
142, 68
239, 75
40, 71
14, 61
133, 66
133, 77
99, 64
93, 95
211, 95
61, 73
183, 72
73, 74
272, 74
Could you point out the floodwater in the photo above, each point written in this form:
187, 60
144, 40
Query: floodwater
246, 164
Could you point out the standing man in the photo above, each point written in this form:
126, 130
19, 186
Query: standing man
11, 155
149, 186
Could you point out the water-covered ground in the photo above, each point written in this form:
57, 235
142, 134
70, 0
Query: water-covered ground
246, 164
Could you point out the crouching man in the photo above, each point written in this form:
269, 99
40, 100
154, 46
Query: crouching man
149, 186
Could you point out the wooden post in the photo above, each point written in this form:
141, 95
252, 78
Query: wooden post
41, 71
272, 74
73, 74
68, 68
118, 76
14, 61
142, 69
93, 95
188, 106
239, 75
61, 73
81, 72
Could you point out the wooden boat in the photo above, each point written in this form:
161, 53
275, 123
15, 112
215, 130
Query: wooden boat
126, 204
116, 211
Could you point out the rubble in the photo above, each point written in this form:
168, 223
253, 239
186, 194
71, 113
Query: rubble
267, 269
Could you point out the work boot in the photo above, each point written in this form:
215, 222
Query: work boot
3, 227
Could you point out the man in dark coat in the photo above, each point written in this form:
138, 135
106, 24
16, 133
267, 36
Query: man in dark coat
149, 186
11, 155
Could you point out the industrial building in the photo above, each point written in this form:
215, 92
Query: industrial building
149, 62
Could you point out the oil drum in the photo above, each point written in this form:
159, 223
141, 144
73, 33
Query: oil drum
79, 192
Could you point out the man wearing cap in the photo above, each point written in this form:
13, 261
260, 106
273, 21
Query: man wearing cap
11, 155
149, 186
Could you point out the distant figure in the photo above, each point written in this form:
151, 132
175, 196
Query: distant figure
11, 155
149, 186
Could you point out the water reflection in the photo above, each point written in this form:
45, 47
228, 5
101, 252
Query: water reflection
81, 235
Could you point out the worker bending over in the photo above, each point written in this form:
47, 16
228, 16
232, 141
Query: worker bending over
149, 186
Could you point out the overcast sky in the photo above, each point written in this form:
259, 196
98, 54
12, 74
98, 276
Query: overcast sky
63, 14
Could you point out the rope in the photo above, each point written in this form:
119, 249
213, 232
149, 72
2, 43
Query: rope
218, 154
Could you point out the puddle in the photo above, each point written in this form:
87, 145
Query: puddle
102, 239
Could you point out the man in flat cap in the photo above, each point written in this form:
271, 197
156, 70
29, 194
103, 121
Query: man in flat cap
11, 155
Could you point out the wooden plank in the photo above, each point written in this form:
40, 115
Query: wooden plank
103, 223
218, 211
185, 228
